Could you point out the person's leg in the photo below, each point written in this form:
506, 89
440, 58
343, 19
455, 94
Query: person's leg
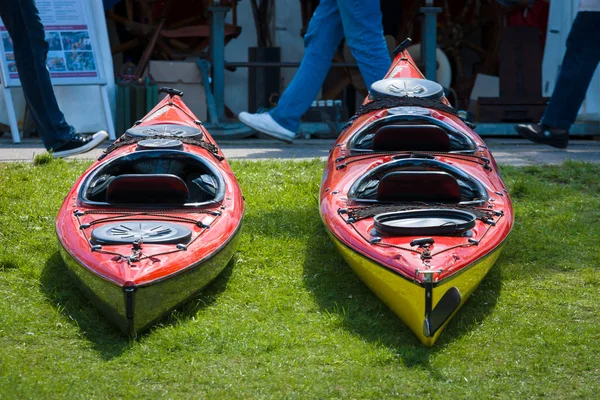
363, 30
578, 66
23, 23
321, 41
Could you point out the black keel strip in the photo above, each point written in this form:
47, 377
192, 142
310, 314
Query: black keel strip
130, 309
434, 320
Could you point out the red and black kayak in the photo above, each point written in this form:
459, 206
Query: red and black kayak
414, 201
154, 220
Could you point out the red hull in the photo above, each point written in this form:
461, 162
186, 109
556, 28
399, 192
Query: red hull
107, 270
353, 172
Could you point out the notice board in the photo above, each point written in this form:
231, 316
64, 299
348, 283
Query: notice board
73, 56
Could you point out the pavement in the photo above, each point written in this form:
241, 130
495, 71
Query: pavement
508, 151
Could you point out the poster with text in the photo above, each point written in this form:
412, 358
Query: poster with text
72, 50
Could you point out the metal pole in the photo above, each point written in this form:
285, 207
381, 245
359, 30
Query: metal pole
12, 117
429, 39
213, 116
217, 56
107, 113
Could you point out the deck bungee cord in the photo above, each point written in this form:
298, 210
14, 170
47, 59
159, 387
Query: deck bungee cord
162, 214
357, 157
385, 103
137, 245
361, 212
355, 214
158, 216
127, 140
407, 205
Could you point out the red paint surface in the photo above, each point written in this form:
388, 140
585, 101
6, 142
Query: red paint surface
160, 267
336, 184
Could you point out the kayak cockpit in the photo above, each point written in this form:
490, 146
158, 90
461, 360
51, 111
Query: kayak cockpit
154, 178
418, 180
404, 130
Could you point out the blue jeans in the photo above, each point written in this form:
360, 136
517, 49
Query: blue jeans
23, 23
578, 66
360, 22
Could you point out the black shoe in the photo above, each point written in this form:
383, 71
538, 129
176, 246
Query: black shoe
540, 133
79, 144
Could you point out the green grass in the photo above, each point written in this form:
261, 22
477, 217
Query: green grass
288, 318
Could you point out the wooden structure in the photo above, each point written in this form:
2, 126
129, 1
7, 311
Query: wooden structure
168, 29
520, 79
469, 33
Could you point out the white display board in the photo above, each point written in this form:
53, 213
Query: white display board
74, 56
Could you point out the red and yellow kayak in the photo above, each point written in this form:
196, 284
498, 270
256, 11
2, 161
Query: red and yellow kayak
413, 199
154, 220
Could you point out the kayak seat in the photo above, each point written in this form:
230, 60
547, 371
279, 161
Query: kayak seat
411, 138
418, 179
406, 130
425, 186
157, 177
147, 189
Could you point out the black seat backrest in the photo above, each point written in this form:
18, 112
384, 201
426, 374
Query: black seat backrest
426, 186
411, 138
147, 189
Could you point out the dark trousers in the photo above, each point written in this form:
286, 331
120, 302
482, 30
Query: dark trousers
22, 20
577, 70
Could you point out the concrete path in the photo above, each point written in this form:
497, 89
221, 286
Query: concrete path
517, 152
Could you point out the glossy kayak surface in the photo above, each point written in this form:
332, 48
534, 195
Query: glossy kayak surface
414, 201
154, 220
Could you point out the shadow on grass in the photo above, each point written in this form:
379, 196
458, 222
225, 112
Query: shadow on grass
338, 290
107, 340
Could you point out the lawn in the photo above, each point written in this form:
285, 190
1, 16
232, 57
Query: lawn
289, 319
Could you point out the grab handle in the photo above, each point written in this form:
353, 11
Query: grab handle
422, 242
170, 91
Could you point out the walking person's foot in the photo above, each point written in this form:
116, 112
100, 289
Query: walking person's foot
543, 134
79, 144
264, 123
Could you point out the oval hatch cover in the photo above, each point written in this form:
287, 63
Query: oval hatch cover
156, 232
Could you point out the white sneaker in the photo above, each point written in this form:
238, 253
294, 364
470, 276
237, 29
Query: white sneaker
266, 124
80, 144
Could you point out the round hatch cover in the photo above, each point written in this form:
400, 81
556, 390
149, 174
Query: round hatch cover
170, 130
153, 144
434, 222
407, 87
157, 232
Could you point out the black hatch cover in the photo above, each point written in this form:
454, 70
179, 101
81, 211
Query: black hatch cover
153, 144
428, 222
169, 130
157, 232
407, 87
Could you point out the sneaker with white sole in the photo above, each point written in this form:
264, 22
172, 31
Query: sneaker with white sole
80, 144
264, 123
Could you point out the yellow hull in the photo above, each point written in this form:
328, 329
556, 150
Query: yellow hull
407, 298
